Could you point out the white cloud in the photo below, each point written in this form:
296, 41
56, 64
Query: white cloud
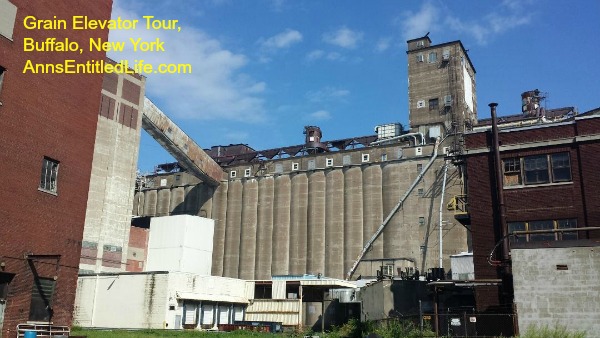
216, 89
315, 55
320, 115
417, 24
343, 37
505, 16
282, 40
327, 94
383, 44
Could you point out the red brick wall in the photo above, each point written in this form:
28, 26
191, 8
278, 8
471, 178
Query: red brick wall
138, 243
577, 200
50, 115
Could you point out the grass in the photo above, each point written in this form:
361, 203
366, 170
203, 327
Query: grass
352, 329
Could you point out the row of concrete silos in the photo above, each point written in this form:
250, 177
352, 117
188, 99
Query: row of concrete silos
315, 221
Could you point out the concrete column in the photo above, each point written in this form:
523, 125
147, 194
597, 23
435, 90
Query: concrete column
248, 229
220, 216
316, 223
298, 224
281, 226
353, 216
264, 231
334, 224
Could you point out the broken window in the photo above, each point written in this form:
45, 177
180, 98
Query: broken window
537, 169
48, 179
543, 230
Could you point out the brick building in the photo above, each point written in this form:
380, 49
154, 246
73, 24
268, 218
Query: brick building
47, 133
549, 164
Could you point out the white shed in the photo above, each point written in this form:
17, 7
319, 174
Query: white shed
158, 300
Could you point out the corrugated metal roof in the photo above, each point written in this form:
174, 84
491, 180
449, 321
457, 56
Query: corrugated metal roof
212, 298
328, 282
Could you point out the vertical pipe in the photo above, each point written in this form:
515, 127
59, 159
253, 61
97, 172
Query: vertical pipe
219, 213
334, 224
281, 226
499, 184
264, 227
248, 229
441, 239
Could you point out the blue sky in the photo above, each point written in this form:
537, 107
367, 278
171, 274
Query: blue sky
263, 69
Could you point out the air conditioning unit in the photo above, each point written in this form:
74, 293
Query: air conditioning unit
448, 101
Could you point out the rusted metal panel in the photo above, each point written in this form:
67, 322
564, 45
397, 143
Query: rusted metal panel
189, 154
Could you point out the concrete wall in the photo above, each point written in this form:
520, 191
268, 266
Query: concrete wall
180, 243
558, 286
122, 300
112, 185
318, 220
150, 300
377, 300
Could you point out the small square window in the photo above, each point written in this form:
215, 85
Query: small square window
421, 104
420, 43
420, 192
233, 174
421, 220
329, 162
418, 151
247, 172
295, 166
48, 179
419, 167
365, 157
420, 58
433, 104
383, 157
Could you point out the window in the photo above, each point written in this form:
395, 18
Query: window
295, 166
365, 158
420, 192
329, 162
2, 71
247, 172
419, 167
42, 292
383, 157
420, 58
418, 151
233, 174
543, 225
421, 104
421, 220
432, 57
538, 169
8, 14
434, 104
387, 270
49, 175
420, 43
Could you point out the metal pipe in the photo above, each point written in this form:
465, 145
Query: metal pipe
394, 210
445, 168
554, 230
413, 135
499, 184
